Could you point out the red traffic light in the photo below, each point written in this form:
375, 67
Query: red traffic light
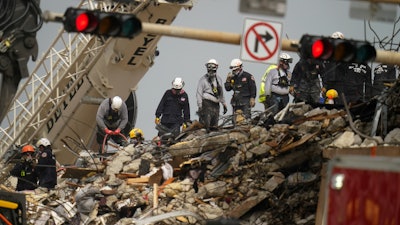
101, 23
341, 50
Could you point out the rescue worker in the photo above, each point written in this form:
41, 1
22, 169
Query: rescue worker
357, 85
262, 97
111, 118
306, 83
333, 73
383, 73
244, 88
136, 136
24, 170
173, 111
277, 84
209, 95
46, 167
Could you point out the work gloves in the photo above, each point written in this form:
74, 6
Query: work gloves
229, 77
252, 102
108, 131
225, 109
157, 120
184, 126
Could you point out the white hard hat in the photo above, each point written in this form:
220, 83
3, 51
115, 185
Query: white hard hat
44, 142
178, 83
337, 35
116, 103
212, 61
235, 64
286, 58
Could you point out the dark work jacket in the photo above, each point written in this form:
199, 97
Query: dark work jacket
357, 83
243, 86
46, 169
332, 77
174, 107
27, 178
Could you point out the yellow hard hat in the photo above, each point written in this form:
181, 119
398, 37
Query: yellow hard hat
331, 94
136, 133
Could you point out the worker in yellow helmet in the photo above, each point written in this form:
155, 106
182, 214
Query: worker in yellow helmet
136, 136
331, 94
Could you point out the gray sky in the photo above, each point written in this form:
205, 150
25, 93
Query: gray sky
186, 58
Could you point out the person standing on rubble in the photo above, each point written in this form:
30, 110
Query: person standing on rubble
209, 95
24, 170
277, 84
244, 88
111, 118
353, 80
173, 111
261, 96
306, 82
46, 167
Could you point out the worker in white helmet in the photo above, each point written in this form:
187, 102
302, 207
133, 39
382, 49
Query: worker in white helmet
46, 167
210, 95
244, 88
111, 118
351, 79
277, 84
173, 111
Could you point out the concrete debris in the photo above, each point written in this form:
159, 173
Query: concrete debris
259, 173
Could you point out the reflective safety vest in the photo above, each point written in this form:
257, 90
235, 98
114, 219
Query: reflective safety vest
261, 94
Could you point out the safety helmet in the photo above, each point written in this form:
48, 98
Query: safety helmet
43, 142
337, 35
212, 61
27, 148
116, 103
178, 83
331, 94
285, 58
136, 133
235, 64
212, 65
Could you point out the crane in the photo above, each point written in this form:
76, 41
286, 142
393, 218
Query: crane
60, 97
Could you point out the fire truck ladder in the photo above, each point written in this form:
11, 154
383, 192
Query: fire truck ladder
74, 57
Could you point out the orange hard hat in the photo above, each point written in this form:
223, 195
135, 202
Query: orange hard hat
28, 148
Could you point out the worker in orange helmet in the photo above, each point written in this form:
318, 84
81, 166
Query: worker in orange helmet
24, 170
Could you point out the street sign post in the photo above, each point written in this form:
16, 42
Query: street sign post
261, 41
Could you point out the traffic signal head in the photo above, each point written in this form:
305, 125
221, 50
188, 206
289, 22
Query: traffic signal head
333, 49
97, 22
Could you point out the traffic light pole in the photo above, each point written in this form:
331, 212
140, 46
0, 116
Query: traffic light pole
386, 57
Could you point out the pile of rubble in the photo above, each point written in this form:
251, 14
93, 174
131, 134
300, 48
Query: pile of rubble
256, 173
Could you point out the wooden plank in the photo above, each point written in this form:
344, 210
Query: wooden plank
137, 180
247, 205
78, 173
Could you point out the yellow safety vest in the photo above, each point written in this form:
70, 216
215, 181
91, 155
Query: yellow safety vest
261, 94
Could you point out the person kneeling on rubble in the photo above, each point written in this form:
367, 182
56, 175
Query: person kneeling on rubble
111, 118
